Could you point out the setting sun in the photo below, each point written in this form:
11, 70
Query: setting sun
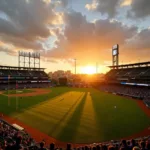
88, 70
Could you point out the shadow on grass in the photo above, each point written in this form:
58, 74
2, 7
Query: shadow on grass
97, 109
69, 131
58, 124
26, 102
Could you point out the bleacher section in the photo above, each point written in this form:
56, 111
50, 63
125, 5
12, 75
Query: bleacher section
12, 133
22, 76
130, 72
14, 139
138, 72
22, 73
129, 80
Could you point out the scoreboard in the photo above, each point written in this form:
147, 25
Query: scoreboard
115, 55
115, 50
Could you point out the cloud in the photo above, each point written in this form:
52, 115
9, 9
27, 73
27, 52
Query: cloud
92, 6
35, 24
140, 42
61, 3
59, 19
24, 23
21, 43
139, 9
48, 60
8, 49
126, 2
89, 42
136, 48
64, 3
108, 7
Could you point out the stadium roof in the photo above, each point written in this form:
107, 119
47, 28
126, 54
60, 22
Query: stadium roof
20, 68
142, 64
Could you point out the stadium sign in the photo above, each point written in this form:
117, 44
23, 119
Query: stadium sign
115, 55
115, 50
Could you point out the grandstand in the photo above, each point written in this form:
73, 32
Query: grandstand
10, 135
23, 77
13, 138
129, 80
132, 73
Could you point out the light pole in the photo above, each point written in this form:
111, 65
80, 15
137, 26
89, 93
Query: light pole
75, 64
96, 67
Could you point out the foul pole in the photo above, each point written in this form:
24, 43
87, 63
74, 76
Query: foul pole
8, 91
16, 96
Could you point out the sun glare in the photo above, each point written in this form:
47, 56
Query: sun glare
88, 70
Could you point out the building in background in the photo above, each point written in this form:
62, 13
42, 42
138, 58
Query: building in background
76, 79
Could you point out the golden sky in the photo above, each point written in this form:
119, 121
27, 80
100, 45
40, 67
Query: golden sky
62, 30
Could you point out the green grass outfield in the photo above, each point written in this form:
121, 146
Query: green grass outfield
79, 115
18, 91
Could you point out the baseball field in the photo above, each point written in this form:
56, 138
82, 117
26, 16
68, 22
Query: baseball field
76, 115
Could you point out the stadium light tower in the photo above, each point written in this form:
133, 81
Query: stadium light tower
115, 55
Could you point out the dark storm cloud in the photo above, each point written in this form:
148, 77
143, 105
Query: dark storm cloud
139, 9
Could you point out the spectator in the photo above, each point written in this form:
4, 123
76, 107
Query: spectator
111, 148
148, 145
86, 148
136, 148
122, 148
98, 147
42, 144
104, 147
133, 143
9, 146
52, 146
116, 147
143, 145
94, 148
129, 145
68, 146
124, 144
17, 145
